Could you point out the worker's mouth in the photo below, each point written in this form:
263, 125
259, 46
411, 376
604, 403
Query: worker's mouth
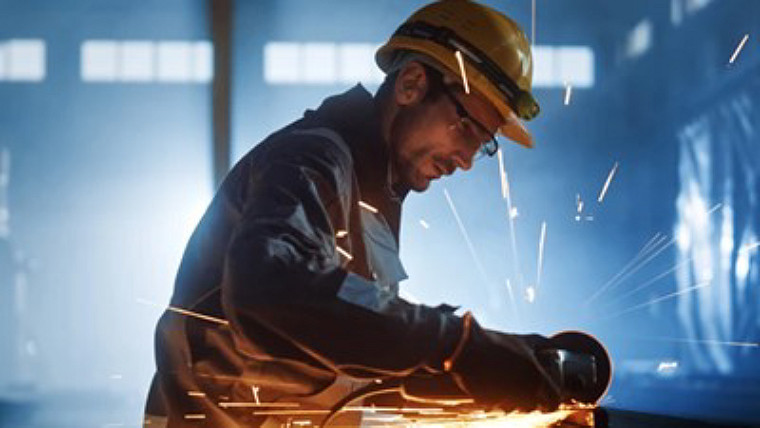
440, 171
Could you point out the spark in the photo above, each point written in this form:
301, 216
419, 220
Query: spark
607, 183
389, 418
568, 93
589, 218
236, 404
714, 208
195, 416
661, 298
738, 48
467, 239
197, 315
667, 366
368, 207
617, 275
341, 234
578, 203
714, 342
290, 412
458, 54
530, 294
576, 415
255, 390
186, 312
651, 240
147, 302
424, 224
631, 267
651, 281
502, 175
701, 341
512, 297
344, 253
512, 212
195, 394
541, 254
371, 409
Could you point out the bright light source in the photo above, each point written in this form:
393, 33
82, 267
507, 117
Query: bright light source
203, 61
543, 66
559, 66
3, 62
530, 294
323, 63
24, 60
136, 61
282, 62
174, 62
319, 63
742, 266
575, 66
141, 61
99, 59
356, 63
683, 237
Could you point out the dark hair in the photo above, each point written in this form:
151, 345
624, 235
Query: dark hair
435, 83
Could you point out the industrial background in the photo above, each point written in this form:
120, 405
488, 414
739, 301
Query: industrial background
636, 217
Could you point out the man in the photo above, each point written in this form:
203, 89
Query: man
296, 258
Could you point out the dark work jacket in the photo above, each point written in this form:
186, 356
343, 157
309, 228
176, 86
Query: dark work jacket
300, 281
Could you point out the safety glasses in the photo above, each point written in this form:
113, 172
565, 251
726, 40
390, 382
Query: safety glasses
486, 140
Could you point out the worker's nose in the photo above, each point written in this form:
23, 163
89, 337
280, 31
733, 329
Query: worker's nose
464, 160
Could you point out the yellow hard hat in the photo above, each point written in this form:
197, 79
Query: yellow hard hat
496, 53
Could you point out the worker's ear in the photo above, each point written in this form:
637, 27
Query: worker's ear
411, 84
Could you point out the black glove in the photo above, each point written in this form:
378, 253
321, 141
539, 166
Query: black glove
501, 370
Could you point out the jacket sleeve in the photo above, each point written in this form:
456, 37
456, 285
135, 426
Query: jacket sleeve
283, 276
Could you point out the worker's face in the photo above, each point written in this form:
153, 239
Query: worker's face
427, 136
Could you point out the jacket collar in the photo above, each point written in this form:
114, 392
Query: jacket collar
355, 116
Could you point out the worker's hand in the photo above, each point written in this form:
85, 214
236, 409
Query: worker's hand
501, 370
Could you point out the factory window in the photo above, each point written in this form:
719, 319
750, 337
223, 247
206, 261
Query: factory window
22, 60
288, 63
146, 61
558, 66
